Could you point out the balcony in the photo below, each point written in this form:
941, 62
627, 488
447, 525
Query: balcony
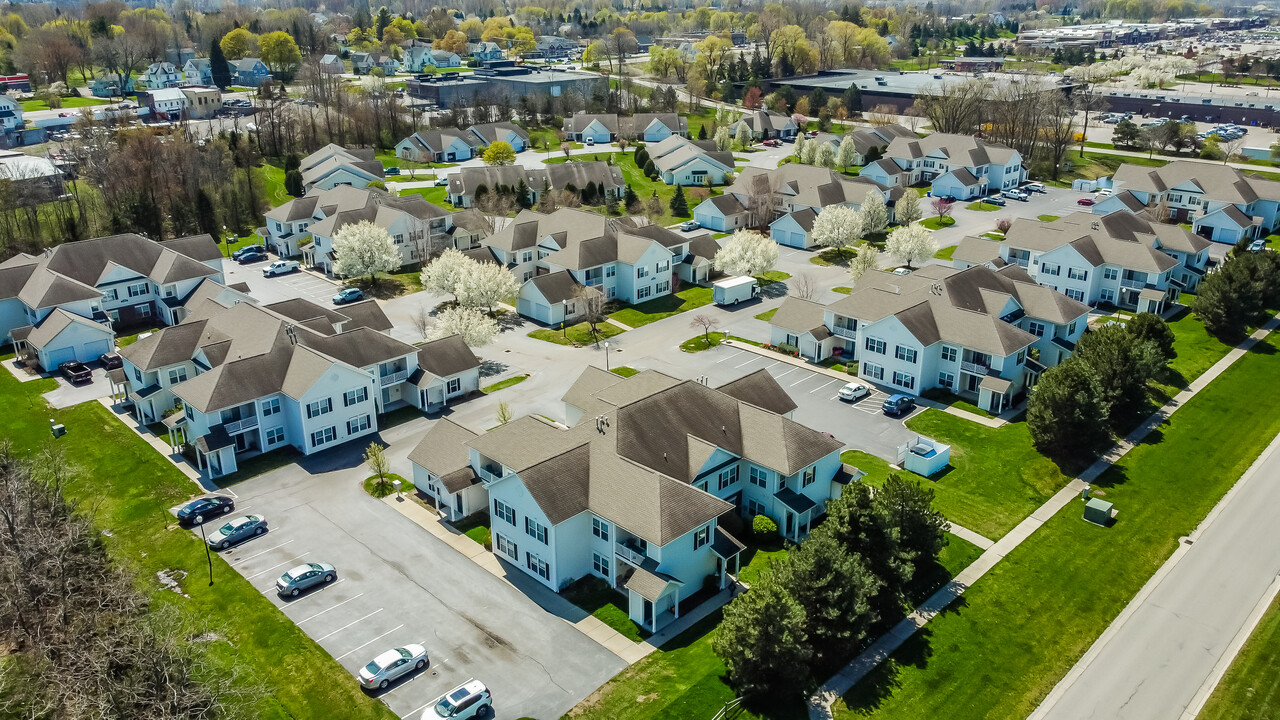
1131, 283
975, 368
490, 474
631, 555
393, 378
594, 281
240, 426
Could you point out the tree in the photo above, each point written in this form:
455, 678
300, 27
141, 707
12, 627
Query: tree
838, 226
375, 458
911, 244
504, 413
762, 641
499, 153
476, 328
797, 150
1058, 128
723, 142
942, 207
280, 52
833, 588
907, 209
848, 152
809, 154
679, 205
825, 156
1126, 134
1066, 413
441, 275
742, 136
238, 43
875, 216
630, 200
746, 253
908, 507
867, 259
218, 65
364, 249
1123, 365
293, 183
589, 307
1152, 328
484, 285
453, 41
1238, 294
707, 323
421, 320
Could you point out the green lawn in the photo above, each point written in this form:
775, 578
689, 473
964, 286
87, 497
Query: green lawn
434, 195
128, 487
982, 206
272, 177
842, 289
476, 527
1021, 628
702, 341
945, 253
609, 606
625, 371
503, 384
664, 307
68, 103
756, 559
372, 487
388, 159
643, 186
833, 256
1251, 688
1046, 218
579, 334
767, 315
770, 277
1273, 241
937, 222
1197, 351
950, 399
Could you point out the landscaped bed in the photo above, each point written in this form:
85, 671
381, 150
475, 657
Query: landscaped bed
504, 384
476, 527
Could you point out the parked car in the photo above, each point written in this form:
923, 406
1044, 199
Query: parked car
1034, 187
1086, 202
994, 200
688, 225
237, 530
110, 361
393, 170
302, 577
1016, 194
589, 142
200, 509
280, 267
392, 665
1257, 245
772, 143
901, 271
252, 257
471, 699
348, 295
248, 249
75, 371
898, 404
441, 182
1112, 120
853, 391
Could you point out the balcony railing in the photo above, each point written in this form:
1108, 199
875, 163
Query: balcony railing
594, 281
845, 332
393, 378
491, 474
1130, 283
629, 554
975, 368
241, 425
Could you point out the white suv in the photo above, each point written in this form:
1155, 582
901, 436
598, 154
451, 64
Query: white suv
471, 699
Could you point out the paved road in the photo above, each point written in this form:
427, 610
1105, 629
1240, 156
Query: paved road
1151, 665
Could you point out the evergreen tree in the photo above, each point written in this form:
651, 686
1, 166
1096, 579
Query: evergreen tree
702, 131
1123, 363
522, 195
650, 171
641, 156
834, 588
218, 65
293, 183
679, 205
1152, 328
629, 198
206, 216
1066, 414
762, 641
590, 194
292, 162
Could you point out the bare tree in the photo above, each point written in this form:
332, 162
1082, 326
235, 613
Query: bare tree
804, 286
707, 323
760, 200
421, 319
589, 307
1059, 129
954, 108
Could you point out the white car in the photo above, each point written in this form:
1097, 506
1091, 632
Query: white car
471, 699
280, 267
589, 142
392, 665
853, 391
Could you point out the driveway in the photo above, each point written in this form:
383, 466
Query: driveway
283, 287
66, 394
398, 584
1054, 201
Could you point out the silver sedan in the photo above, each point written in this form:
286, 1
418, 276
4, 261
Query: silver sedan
305, 576
237, 530
392, 665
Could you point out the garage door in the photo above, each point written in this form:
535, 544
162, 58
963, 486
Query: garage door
54, 358
91, 350
524, 307
542, 313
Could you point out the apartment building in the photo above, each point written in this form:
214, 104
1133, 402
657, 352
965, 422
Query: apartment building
956, 166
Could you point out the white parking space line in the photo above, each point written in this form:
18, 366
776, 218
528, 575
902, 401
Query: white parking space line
353, 622
808, 376
273, 587
777, 377
370, 642
344, 602
730, 357
819, 388
414, 712
273, 567
753, 359
775, 362
237, 561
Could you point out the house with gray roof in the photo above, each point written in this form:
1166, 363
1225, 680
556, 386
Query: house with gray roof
575, 176
643, 487
955, 166
982, 333
334, 165
758, 197
697, 163
438, 145
510, 133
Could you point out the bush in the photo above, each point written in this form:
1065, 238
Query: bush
763, 526
788, 349
1003, 224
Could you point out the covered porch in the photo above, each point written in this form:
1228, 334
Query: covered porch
215, 453
653, 596
727, 550
797, 514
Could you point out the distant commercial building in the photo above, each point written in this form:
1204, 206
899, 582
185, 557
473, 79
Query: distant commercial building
501, 79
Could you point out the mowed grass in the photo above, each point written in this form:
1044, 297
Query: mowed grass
68, 103
657, 309
128, 487
1021, 628
1251, 688
579, 334
607, 605
644, 187
434, 195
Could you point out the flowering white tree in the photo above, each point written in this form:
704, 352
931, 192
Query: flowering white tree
440, 276
810, 153
364, 249
724, 143
837, 226
485, 285
746, 253
798, 150
867, 259
911, 244
475, 327
826, 156
848, 152
742, 136
875, 216
907, 209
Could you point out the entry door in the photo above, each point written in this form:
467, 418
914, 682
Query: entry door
648, 613
972, 383
457, 504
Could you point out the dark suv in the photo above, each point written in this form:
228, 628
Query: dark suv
898, 404
74, 371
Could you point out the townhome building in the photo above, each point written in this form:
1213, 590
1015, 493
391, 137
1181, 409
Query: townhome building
161, 75
305, 226
1118, 259
765, 125
509, 133
681, 161
117, 281
653, 127
416, 58
954, 166
983, 334
1222, 203
363, 62
444, 59
596, 128
557, 177
334, 165
236, 380
866, 141
643, 488
443, 145
483, 52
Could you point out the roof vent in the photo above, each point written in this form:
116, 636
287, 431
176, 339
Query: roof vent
292, 334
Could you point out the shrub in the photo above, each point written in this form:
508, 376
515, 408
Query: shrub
788, 349
1003, 224
763, 526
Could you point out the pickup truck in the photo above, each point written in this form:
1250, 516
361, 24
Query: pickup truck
280, 267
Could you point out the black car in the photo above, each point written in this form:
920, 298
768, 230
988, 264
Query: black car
240, 252
251, 257
197, 511
76, 372
110, 361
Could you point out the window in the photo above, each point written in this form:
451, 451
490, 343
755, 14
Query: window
663, 286
644, 292
701, 537
1071, 329
1193, 200
352, 397
905, 353
319, 407
1050, 269
875, 345
535, 530
727, 477
357, 424
664, 266
504, 511
759, 477
600, 529
1077, 295
536, 564
1022, 356
1107, 295
138, 290
275, 436
949, 354
1075, 274
110, 295
144, 311
946, 380
642, 272
506, 547
186, 412
904, 380
1110, 273
600, 564
168, 291
1035, 328
754, 508
177, 375
809, 475
609, 271
875, 372
527, 257
454, 386
320, 437
271, 407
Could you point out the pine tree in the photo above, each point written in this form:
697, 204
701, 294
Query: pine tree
650, 171
522, 195
218, 65
702, 131
293, 183
641, 157
206, 217
629, 198
679, 205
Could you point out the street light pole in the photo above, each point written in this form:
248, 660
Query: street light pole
207, 555
606, 356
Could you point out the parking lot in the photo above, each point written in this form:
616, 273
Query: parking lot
284, 287
397, 585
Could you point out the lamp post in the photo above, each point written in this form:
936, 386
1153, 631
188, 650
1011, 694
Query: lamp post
606, 355
207, 555
564, 318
